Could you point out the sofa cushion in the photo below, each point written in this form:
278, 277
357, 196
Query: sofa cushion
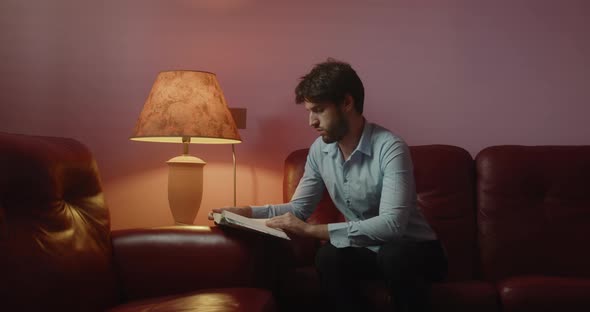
164, 261
451, 296
542, 293
454, 296
464, 296
533, 209
221, 300
300, 290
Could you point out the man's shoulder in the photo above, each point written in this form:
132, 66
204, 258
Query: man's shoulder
381, 135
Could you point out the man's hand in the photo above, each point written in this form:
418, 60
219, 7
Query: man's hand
291, 224
245, 211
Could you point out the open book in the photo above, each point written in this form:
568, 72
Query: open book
237, 221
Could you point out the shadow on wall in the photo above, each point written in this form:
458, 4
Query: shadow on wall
274, 138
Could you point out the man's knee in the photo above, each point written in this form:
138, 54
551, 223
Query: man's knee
397, 259
328, 258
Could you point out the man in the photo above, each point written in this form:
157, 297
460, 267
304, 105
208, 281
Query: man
368, 173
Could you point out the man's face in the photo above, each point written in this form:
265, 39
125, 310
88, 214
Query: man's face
328, 119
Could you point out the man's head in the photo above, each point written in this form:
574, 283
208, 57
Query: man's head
331, 81
331, 92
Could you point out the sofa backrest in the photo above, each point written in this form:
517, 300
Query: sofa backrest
445, 185
534, 210
445, 188
55, 249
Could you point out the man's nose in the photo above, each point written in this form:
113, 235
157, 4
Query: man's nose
313, 121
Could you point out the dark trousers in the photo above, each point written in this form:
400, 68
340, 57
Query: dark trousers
408, 268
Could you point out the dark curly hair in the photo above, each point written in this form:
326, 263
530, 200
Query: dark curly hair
331, 81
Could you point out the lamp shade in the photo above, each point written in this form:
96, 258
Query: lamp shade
186, 104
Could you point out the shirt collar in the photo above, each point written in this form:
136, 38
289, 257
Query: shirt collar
330, 149
364, 145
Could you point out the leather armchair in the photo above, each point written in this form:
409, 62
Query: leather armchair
57, 252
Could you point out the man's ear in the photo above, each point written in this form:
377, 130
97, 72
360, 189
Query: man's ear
348, 103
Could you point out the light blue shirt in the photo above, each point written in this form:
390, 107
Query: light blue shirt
374, 189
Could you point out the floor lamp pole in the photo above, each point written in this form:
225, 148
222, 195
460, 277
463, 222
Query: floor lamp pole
233, 149
239, 115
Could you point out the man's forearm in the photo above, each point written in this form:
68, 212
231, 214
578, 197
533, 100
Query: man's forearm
319, 231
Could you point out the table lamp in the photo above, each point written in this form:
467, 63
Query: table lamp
186, 107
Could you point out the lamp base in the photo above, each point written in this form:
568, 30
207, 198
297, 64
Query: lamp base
185, 188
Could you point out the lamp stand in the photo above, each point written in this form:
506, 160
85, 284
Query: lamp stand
233, 150
185, 186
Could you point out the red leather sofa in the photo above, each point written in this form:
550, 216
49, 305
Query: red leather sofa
57, 252
514, 223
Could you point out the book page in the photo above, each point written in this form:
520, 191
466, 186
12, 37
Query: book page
232, 219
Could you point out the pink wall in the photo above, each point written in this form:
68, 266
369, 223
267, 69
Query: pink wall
467, 73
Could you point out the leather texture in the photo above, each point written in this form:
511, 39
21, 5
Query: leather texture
533, 210
165, 261
210, 300
57, 252
55, 233
473, 295
445, 183
544, 294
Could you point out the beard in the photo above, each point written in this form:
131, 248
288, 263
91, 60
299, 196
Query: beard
336, 132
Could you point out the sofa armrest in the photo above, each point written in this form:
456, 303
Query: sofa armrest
163, 261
